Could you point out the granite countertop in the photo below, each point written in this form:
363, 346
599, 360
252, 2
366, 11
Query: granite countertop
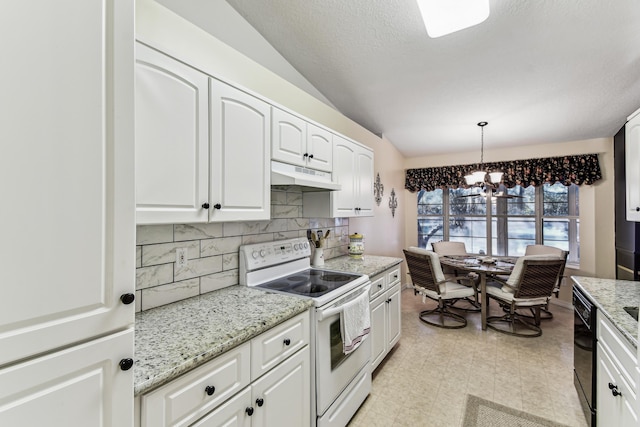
369, 264
610, 296
176, 338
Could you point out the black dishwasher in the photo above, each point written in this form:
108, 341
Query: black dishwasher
584, 353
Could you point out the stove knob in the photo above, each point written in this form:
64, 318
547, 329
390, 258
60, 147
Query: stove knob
255, 254
295, 247
262, 253
306, 245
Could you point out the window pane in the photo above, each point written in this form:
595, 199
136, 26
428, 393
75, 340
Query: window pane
555, 200
521, 232
524, 203
466, 201
470, 230
429, 230
430, 202
555, 232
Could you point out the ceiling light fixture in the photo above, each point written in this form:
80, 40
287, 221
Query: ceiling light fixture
443, 17
479, 177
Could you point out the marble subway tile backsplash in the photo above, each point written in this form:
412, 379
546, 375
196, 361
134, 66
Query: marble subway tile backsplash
212, 249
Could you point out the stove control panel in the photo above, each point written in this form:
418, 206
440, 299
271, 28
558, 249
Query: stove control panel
267, 254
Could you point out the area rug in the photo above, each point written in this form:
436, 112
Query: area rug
484, 413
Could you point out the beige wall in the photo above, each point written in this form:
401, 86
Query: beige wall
597, 255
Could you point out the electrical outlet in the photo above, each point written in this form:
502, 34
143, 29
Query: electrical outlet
181, 257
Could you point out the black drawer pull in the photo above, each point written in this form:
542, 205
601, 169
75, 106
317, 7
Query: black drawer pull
209, 390
287, 341
249, 411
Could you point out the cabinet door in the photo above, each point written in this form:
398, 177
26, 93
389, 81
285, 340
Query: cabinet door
364, 182
67, 174
289, 142
344, 164
394, 316
240, 163
632, 167
282, 397
172, 140
320, 148
78, 386
613, 409
378, 330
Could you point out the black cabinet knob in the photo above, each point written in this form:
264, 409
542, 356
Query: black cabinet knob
380, 285
126, 364
127, 298
217, 206
287, 341
615, 392
305, 155
612, 386
311, 156
249, 411
637, 208
209, 390
205, 205
259, 401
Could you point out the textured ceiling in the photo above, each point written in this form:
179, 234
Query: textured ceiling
538, 71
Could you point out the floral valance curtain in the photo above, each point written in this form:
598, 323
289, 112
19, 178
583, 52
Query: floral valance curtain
582, 169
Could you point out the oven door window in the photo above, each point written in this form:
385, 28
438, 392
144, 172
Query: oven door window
335, 341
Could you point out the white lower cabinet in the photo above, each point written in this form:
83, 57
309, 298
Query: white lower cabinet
82, 385
385, 314
616, 378
264, 382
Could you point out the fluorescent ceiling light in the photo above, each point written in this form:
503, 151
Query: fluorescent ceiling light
447, 16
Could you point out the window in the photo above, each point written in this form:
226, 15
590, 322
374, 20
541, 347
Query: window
534, 215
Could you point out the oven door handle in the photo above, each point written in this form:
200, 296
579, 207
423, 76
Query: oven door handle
338, 305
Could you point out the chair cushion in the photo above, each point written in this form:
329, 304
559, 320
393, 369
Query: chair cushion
448, 290
543, 250
507, 296
435, 262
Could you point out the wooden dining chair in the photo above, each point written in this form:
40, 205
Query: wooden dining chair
529, 286
429, 281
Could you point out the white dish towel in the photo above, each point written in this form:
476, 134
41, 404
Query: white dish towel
355, 322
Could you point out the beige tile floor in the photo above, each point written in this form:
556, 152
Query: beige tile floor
425, 379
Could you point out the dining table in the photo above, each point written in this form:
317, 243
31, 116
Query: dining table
485, 267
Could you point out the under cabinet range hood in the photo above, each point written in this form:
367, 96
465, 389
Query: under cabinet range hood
308, 179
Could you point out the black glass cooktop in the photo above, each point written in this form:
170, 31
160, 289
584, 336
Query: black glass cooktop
312, 283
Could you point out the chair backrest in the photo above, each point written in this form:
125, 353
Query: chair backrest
548, 250
424, 272
449, 248
538, 277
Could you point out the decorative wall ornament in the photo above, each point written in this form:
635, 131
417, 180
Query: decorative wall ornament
393, 202
378, 190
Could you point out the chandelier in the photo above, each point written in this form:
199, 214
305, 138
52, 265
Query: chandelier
481, 177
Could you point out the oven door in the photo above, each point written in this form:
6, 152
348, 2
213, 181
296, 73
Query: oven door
335, 370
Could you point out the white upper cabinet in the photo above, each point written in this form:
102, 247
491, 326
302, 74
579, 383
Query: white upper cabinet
632, 166
202, 146
172, 140
301, 143
240, 185
66, 173
353, 170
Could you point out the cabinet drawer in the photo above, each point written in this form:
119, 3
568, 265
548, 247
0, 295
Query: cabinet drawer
185, 399
619, 350
393, 276
278, 343
377, 286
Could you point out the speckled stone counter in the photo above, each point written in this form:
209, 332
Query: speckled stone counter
175, 338
610, 296
369, 265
